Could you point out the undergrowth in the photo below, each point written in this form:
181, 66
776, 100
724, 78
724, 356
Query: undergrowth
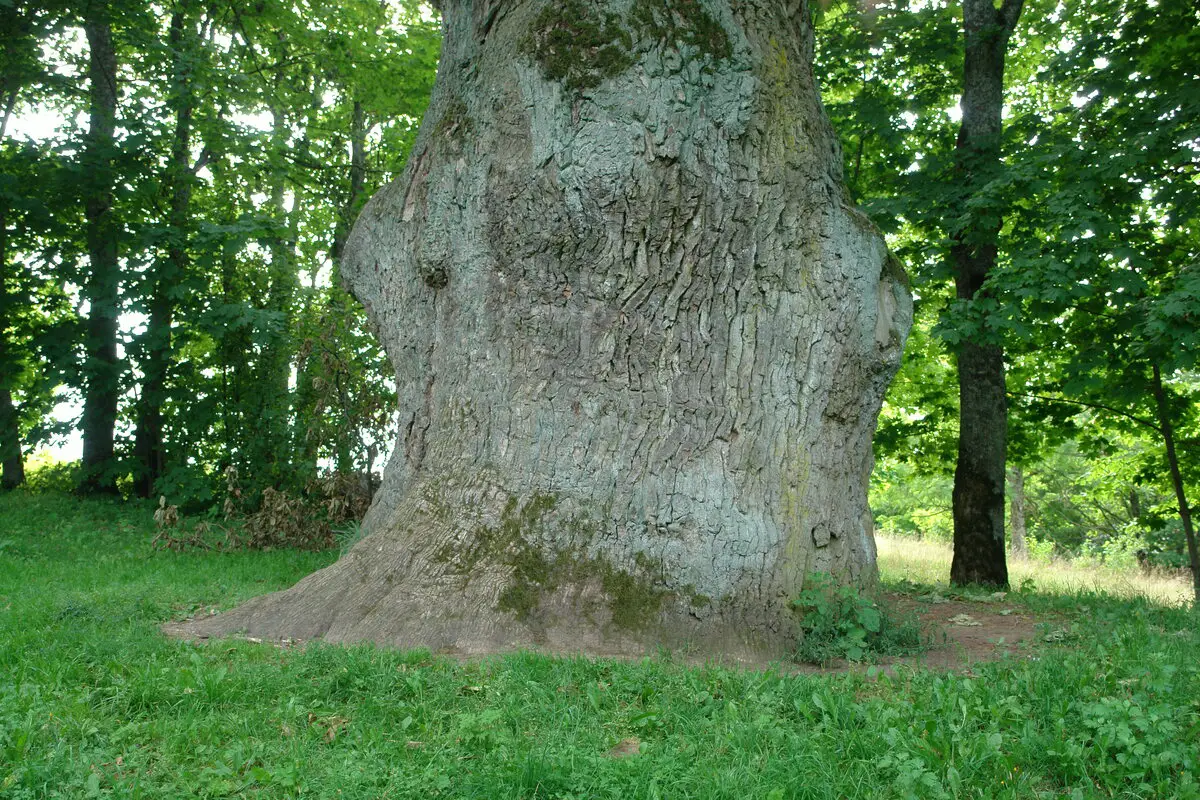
321, 516
95, 702
838, 622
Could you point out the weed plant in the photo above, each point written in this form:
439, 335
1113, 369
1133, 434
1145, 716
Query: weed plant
96, 703
838, 622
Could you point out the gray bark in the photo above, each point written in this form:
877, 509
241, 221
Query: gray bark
641, 339
1017, 518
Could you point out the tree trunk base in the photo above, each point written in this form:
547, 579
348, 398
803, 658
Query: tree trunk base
488, 587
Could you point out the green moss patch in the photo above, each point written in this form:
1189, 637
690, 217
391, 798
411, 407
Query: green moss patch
455, 121
634, 598
579, 45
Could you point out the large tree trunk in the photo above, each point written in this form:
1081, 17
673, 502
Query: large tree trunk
641, 339
101, 368
983, 409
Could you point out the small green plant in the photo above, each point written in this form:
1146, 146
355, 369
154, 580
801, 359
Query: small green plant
348, 536
839, 622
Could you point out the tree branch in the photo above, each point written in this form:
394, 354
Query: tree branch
1095, 406
1009, 13
9, 104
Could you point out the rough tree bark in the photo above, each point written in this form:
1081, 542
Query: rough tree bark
641, 339
101, 368
983, 409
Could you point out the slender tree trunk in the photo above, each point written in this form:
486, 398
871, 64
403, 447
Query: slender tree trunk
1185, 513
12, 462
641, 339
101, 369
270, 441
149, 445
357, 181
310, 402
983, 411
1016, 483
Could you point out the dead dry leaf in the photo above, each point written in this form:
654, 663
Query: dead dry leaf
626, 748
964, 620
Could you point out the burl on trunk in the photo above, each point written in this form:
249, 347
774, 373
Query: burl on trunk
641, 339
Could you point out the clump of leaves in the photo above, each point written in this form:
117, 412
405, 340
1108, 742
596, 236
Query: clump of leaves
839, 622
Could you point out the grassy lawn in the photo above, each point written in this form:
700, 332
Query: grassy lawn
95, 702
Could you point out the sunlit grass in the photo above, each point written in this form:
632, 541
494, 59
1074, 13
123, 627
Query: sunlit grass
928, 562
96, 702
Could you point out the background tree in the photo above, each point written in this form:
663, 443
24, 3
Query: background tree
1088, 176
983, 417
190, 299
101, 289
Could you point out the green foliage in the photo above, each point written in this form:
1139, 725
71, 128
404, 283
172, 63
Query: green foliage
94, 699
839, 622
1095, 287
250, 139
908, 503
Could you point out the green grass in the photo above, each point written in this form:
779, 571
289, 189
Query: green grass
94, 702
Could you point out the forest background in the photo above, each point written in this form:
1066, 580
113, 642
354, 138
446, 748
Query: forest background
178, 182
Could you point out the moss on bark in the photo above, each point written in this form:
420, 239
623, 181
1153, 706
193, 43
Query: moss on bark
677, 22
578, 45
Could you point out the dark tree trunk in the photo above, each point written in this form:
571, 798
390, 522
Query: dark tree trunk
149, 444
1185, 512
983, 412
357, 178
641, 339
101, 369
12, 462
310, 401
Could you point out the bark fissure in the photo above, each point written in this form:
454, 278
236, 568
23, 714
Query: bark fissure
660, 329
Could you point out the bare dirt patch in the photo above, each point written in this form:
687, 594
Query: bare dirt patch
966, 632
